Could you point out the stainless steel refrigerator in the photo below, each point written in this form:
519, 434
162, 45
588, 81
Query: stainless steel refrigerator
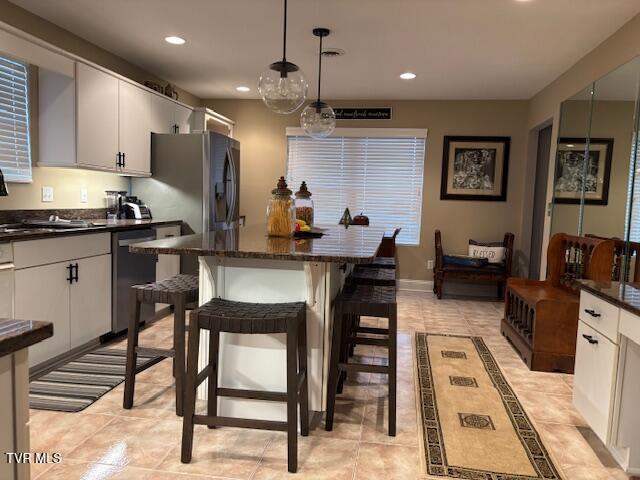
195, 178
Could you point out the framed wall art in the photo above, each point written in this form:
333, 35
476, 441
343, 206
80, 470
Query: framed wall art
573, 170
475, 168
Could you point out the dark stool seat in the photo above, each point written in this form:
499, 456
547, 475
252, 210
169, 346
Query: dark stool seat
380, 262
372, 301
178, 291
374, 276
219, 315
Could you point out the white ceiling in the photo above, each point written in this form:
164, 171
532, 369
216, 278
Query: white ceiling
460, 49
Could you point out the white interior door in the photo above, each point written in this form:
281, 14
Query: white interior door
90, 300
135, 127
42, 293
97, 117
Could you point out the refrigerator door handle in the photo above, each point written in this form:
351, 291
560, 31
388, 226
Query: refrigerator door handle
232, 188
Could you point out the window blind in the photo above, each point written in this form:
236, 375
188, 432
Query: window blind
375, 171
632, 213
15, 151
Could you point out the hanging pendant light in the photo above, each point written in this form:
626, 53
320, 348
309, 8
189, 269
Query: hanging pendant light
282, 86
318, 120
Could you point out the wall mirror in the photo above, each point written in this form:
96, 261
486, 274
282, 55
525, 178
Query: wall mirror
595, 161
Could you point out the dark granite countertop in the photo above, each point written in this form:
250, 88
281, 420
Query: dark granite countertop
623, 295
355, 244
18, 334
102, 225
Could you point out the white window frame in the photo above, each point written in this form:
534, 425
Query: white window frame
376, 133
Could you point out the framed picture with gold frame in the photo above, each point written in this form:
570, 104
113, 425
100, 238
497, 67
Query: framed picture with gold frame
475, 168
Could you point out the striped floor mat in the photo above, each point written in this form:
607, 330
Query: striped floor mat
74, 386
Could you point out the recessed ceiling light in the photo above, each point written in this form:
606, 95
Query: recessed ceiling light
175, 40
242, 88
570, 145
407, 76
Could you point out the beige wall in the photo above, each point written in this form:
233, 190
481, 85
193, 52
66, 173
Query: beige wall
610, 119
67, 183
263, 159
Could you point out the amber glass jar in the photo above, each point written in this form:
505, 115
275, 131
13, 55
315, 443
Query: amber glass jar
304, 205
281, 211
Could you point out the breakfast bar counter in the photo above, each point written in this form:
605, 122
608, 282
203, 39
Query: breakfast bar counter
244, 264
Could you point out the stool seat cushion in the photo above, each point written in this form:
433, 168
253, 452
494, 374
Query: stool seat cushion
374, 276
166, 291
242, 317
380, 262
369, 300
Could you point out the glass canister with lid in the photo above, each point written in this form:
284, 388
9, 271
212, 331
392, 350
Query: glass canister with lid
304, 205
280, 211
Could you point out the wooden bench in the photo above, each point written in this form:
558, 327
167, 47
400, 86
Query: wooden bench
541, 317
492, 273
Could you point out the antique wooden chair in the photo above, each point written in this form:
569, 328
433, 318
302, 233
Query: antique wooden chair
492, 273
541, 317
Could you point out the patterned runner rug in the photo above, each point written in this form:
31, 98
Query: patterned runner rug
77, 384
473, 424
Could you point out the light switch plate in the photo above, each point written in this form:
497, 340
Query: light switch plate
47, 194
429, 264
84, 196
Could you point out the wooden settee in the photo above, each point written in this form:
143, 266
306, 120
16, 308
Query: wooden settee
541, 317
492, 273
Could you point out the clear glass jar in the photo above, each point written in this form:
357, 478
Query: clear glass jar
281, 220
304, 205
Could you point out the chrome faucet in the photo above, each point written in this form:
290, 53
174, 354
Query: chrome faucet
3, 186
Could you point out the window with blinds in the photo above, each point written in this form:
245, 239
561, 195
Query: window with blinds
377, 171
632, 214
15, 151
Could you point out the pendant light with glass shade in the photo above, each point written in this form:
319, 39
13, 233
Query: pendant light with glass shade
282, 86
318, 119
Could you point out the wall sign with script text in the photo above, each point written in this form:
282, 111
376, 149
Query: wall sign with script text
382, 113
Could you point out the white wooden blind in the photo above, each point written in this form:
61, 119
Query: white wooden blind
632, 227
15, 152
375, 171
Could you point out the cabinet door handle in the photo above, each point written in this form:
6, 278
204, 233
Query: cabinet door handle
76, 277
589, 338
124, 160
118, 161
70, 277
592, 313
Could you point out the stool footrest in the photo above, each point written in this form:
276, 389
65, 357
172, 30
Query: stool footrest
373, 330
156, 352
361, 367
148, 364
380, 342
239, 423
203, 374
252, 394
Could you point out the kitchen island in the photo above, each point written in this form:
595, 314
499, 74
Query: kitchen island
244, 264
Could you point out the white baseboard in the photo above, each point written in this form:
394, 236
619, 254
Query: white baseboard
415, 285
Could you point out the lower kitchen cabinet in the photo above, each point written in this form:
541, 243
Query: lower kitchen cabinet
80, 309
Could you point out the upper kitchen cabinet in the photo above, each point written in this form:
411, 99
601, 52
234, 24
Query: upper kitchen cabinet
134, 126
168, 116
97, 118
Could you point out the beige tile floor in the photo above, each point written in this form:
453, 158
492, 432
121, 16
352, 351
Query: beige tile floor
107, 442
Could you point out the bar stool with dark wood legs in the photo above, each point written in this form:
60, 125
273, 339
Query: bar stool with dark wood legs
372, 301
374, 276
381, 262
219, 315
178, 291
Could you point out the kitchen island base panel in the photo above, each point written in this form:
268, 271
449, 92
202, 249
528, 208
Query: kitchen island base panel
251, 361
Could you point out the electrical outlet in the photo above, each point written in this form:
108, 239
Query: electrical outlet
84, 196
47, 194
429, 264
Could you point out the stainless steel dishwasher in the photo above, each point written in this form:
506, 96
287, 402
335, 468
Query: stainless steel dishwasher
130, 269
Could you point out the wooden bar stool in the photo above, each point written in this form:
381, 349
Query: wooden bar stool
372, 301
219, 315
178, 291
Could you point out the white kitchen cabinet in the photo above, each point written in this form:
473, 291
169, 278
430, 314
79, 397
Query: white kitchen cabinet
167, 265
42, 293
183, 118
90, 300
97, 117
595, 379
134, 127
163, 112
